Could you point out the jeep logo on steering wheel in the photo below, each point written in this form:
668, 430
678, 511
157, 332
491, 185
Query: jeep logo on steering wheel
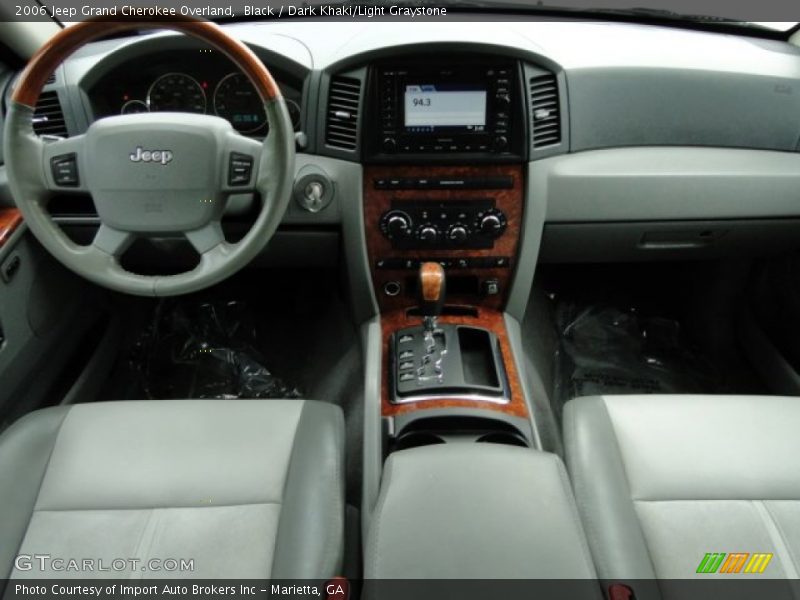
151, 156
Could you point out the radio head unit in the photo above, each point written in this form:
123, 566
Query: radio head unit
463, 107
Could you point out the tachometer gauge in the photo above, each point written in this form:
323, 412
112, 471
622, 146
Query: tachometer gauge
176, 92
236, 100
132, 107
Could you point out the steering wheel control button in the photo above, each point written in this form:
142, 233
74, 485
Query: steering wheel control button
65, 170
240, 169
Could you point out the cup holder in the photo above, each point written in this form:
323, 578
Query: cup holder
507, 438
417, 439
457, 430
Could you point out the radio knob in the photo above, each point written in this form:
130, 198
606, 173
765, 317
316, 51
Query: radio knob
398, 224
428, 233
389, 144
500, 143
491, 225
457, 233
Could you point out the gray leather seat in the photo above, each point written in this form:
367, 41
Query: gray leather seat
244, 488
662, 480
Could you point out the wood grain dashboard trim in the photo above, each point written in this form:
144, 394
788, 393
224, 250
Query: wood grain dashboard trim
378, 201
488, 319
10, 219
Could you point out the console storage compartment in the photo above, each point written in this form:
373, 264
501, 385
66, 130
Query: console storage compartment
476, 511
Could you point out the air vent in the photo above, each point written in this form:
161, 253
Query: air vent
51, 79
545, 114
343, 104
48, 118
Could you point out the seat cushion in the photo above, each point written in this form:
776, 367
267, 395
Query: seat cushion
661, 481
243, 488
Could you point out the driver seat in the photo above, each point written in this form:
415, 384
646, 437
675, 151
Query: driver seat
243, 488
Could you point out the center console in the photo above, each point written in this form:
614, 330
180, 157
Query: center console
443, 210
443, 189
466, 512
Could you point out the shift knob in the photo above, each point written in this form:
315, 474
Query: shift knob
431, 289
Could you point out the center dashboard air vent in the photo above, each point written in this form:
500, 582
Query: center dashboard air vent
545, 111
344, 97
48, 117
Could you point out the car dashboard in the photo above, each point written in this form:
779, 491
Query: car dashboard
639, 143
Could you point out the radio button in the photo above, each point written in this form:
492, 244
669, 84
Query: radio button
389, 144
500, 143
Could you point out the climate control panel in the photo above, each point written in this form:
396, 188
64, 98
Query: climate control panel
468, 224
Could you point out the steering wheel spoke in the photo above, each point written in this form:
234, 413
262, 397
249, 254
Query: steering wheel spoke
207, 237
64, 167
112, 241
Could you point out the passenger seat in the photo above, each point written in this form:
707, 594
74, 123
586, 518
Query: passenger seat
663, 480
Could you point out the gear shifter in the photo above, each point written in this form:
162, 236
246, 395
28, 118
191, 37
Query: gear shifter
431, 300
431, 293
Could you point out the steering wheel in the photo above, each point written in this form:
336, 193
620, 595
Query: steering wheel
150, 173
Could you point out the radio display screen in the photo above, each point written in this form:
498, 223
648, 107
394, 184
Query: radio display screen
432, 107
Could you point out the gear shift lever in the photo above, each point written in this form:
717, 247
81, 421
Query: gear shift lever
431, 300
431, 293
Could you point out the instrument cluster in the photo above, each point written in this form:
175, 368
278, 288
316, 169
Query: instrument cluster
202, 82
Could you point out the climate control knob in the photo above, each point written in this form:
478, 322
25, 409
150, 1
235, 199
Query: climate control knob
492, 223
396, 224
457, 233
428, 233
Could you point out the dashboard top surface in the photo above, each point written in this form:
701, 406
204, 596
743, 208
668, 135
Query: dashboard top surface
620, 84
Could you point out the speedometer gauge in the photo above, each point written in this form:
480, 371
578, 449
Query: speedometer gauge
176, 92
236, 100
